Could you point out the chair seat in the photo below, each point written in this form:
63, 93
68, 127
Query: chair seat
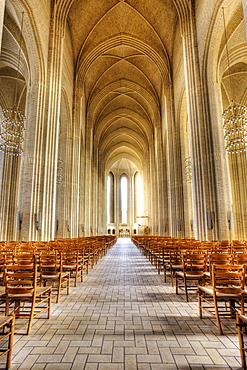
42, 290
209, 290
243, 318
71, 267
39, 291
5, 320
174, 267
24, 295
190, 276
56, 276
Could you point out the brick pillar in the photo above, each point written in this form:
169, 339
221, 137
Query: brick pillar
2, 7
245, 15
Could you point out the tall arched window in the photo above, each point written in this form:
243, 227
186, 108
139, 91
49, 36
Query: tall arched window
108, 187
124, 199
138, 195
110, 198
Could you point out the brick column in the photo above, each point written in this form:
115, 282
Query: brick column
2, 7
245, 15
203, 174
51, 127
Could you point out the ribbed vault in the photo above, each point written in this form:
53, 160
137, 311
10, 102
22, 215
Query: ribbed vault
122, 50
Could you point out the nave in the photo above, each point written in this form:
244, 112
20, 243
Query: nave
124, 317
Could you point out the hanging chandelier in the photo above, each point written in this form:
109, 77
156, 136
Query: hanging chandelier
235, 128
234, 117
13, 120
12, 131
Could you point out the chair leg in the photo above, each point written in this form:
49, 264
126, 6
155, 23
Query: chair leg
68, 286
59, 289
200, 303
217, 316
241, 342
176, 284
49, 303
31, 316
11, 341
186, 290
172, 277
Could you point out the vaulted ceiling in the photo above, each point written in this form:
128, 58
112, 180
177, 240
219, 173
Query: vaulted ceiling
123, 51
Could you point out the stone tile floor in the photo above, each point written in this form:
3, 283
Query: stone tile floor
124, 317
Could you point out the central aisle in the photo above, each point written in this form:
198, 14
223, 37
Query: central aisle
124, 317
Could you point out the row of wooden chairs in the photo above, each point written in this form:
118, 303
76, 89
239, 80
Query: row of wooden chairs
215, 271
30, 273
60, 262
167, 253
86, 250
152, 246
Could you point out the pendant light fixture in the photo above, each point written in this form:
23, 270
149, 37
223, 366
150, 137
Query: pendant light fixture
234, 116
13, 120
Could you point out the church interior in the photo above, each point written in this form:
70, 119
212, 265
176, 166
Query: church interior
124, 133
121, 95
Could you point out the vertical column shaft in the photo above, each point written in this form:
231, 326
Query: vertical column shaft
2, 8
245, 15
52, 126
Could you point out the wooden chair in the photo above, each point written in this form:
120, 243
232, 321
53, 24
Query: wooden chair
165, 260
92, 252
240, 258
223, 247
88, 257
242, 333
227, 288
193, 273
51, 273
23, 297
175, 264
24, 247
73, 263
40, 247
8, 255
24, 259
7, 324
216, 259
159, 258
238, 247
